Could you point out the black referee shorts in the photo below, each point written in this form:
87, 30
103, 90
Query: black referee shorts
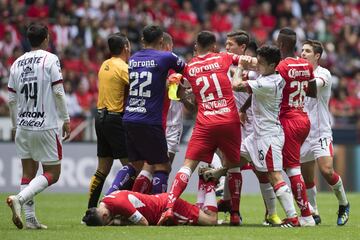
111, 139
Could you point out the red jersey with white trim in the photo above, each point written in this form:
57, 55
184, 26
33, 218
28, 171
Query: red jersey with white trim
133, 204
31, 77
297, 73
208, 76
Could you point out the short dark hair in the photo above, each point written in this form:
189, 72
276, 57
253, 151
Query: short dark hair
316, 45
240, 37
288, 38
167, 38
205, 39
252, 46
37, 33
92, 218
152, 33
117, 42
271, 54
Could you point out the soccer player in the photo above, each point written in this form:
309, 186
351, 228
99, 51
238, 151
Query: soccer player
36, 99
133, 208
318, 145
237, 43
172, 123
300, 82
113, 89
264, 146
217, 124
148, 71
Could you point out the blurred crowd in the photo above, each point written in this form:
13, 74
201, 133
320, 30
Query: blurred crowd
79, 29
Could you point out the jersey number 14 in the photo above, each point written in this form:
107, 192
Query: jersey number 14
30, 91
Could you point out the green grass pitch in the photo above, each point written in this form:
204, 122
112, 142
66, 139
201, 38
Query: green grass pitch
62, 213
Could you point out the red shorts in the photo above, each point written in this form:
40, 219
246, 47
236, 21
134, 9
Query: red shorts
186, 213
296, 129
206, 139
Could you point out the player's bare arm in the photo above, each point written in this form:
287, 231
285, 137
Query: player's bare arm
238, 84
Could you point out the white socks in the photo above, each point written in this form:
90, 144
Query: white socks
29, 206
286, 199
339, 191
37, 185
269, 197
311, 194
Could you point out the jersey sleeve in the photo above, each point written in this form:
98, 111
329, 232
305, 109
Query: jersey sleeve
312, 77
176, 63
55, 72
261, 87
11, 83
323, 79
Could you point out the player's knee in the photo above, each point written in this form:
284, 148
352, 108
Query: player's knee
327, 171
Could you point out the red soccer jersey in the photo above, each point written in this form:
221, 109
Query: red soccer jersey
297, 73
208, 76
127, 203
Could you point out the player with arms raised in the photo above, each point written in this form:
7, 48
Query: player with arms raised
217, 123
318, 145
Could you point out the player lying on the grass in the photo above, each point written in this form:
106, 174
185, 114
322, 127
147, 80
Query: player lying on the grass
133, 208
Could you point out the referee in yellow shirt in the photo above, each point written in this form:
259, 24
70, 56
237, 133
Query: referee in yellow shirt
113, 90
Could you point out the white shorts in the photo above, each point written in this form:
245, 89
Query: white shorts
265, 153
173, 136
42, 146
246, 131
315, 148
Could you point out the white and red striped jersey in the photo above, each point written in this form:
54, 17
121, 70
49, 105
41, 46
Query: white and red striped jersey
31, 77
318, 108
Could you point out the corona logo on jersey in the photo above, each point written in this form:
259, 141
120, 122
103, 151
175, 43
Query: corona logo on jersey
145, 64
293, 73
209, 67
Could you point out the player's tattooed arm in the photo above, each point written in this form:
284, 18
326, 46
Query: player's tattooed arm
187, 98
238, 84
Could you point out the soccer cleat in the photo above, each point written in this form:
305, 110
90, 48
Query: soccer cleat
13, 202
343, 214
288, 223
167, 218
214, 174
307, 221
224, 205
317, 219
235, 219
272, 220
33, 223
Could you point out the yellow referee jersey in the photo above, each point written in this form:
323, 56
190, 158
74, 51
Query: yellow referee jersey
113, 85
